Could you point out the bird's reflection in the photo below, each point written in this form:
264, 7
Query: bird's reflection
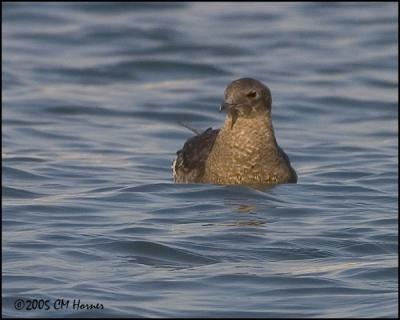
246, 223
241, 204
261, 187
246, 208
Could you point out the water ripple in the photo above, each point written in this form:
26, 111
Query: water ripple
94, 99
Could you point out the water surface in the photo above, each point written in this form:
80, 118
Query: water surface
92, 97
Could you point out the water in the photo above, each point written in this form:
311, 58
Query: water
92, 97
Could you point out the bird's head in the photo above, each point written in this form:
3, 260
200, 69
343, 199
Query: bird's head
246, 97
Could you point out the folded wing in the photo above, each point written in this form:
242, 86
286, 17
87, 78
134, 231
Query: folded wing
190, 162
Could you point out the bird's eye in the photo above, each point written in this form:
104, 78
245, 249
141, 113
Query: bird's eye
252, 94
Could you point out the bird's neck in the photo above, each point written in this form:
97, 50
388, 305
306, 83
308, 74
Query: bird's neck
257, 132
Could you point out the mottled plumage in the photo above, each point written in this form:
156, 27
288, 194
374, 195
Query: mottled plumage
190, 162
244, 150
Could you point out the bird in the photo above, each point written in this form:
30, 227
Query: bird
244, 151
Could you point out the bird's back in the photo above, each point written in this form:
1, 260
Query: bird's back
189, 165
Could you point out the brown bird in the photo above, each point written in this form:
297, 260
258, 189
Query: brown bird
244, 151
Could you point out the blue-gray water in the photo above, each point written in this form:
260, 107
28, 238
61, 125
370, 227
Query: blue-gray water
92, 97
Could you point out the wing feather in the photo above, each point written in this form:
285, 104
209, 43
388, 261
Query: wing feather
191, 160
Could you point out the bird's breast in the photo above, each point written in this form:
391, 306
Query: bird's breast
242, 155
